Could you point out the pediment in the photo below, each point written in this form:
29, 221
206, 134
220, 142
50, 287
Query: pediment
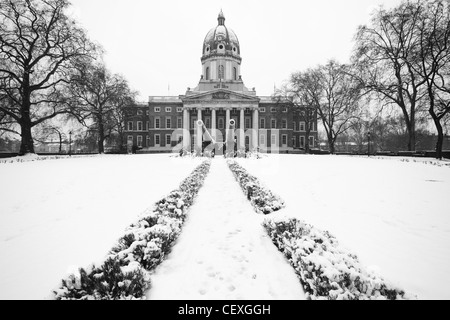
221, 95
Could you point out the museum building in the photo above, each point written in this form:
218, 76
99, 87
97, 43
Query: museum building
221, 96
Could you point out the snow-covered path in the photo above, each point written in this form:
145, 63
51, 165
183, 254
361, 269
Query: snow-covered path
223, 251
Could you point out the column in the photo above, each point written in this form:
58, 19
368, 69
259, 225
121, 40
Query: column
227, 121
242, 131
186, 131
213, 123
255, 129
199, 130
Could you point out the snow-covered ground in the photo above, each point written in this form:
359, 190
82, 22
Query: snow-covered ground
56, 215
223, 251
392, 212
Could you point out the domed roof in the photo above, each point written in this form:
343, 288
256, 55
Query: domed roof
221, 40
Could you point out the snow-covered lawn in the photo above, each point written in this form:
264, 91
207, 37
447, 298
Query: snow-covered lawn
393, 214
57, 215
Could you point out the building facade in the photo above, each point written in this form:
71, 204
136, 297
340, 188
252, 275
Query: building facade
169, 123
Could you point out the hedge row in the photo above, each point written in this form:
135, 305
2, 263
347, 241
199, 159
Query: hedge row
326, 271
262, 199
125, 272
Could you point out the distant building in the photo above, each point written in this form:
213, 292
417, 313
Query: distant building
220, 96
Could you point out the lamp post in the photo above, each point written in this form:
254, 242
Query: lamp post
368, 145
70, 143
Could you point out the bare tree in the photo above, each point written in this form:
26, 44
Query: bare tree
49, 132
38, 47
432, 52
7, 123
100, 97
336, 95
385, 61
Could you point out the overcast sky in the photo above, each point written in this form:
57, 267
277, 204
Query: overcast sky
154, 44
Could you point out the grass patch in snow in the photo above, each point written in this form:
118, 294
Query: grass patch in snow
125, 272
326, 270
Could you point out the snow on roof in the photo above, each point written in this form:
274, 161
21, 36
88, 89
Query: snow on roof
164, 99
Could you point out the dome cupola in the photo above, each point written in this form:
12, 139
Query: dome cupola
221, 58
221, 40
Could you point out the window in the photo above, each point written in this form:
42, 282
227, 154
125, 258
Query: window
262, 140
168, 140
157, 140
221, 126
139, 141
262, 123
284, 139
207, 73
147, 141
273, 123
130, 126
157, 123
140, 126
140, 113
273, 110
247, 123
168, 123
262, 109
311, 142
247, 140
294, 126
302, 142
294, 141
234, 72
168, 109
193, 122
248, 111
179, 123
273, 139
285, 110
221, 72
147, 125
179, 109
147, 113
302, 126
130, 139
313, 126
284, 124
157, 109
208, 122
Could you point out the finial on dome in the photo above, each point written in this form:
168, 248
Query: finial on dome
221, 18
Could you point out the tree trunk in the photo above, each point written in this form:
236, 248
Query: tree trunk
440, 132
60, 142
101, 134
331, 144
101, 139
440, 140
26, 145
411, 137
308, 131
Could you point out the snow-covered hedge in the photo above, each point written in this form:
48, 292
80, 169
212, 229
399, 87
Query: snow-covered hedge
262, 199
326, 271
34, 157
125, 272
